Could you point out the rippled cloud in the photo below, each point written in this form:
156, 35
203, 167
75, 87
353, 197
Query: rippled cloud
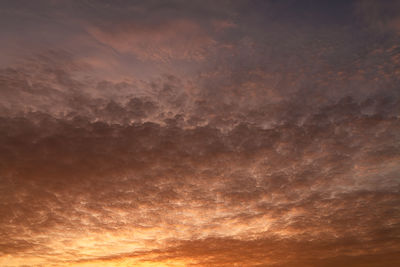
240, 133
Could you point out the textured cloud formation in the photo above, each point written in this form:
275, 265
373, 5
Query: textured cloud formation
178, 39
243, 133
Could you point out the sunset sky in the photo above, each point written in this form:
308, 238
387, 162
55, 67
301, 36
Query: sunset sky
199, 133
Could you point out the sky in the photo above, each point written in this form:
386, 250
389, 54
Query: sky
199, 133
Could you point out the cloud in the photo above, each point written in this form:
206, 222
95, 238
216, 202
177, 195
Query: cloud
165, 182
171, 40
380, 16
162, 32
275, 138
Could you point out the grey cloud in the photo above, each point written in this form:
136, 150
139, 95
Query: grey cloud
380, 15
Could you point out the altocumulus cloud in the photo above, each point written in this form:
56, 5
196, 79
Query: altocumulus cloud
270, 141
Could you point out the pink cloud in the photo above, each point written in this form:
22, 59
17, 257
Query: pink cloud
178, 39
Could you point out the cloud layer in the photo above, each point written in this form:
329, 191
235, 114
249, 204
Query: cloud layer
199, 134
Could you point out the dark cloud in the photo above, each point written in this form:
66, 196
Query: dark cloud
304, 181
380, 16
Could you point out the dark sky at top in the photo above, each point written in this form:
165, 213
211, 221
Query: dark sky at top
199, 133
